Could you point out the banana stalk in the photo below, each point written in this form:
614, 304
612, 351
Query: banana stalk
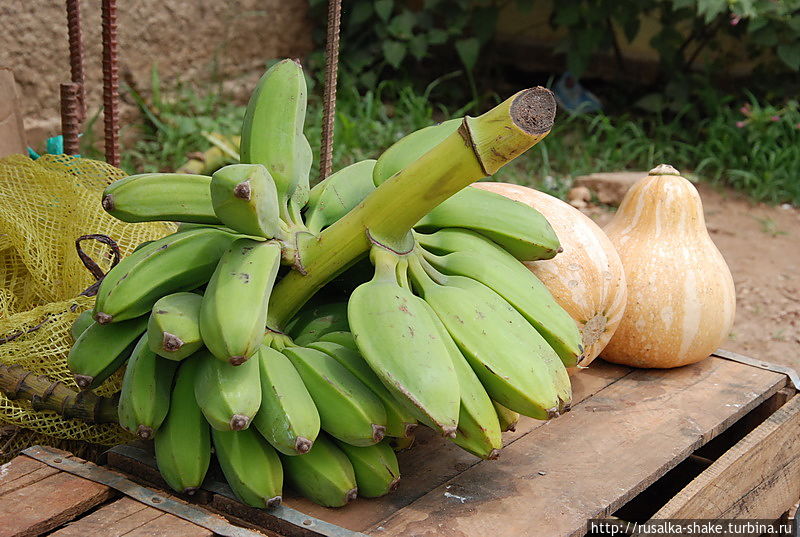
480, 147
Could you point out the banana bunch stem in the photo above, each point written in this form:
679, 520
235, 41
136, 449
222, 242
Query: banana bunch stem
479, 147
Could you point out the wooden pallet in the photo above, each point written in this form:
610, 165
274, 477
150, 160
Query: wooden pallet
718, 439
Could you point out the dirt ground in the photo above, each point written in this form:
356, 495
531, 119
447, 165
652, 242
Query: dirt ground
762, 247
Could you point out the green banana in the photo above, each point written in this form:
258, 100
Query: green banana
399, 421
251, 467
473, 256
410, 148
311, 323
245, 199
179, 262
478, 425
81, 323
375, 467
324, 475
345, 339
175, 197
145, 243
516, 366
508, 418
183, 442
102, 349
228, 395
272, 132
173, 329
335, 196
400, 342
348, 410
521, 230
145, 394
401, 444
288, 417
233, 312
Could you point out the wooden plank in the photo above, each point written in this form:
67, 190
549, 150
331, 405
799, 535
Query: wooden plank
49, 503
591, 461
111, 520
22, 471
433, 461
169, 526
758, 478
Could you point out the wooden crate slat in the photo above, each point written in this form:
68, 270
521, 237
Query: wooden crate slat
169, 526
49, 503
433, 461
758, 478
21, 472
111, 520
593, 460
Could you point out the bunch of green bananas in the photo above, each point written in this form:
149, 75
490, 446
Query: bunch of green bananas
229, 340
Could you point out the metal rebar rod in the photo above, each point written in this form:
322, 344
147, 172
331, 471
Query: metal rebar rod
76, 53
110, 82
329, 97
70, 117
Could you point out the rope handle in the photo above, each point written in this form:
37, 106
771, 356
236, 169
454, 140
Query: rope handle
91, 265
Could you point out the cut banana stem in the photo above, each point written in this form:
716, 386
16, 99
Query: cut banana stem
478, 148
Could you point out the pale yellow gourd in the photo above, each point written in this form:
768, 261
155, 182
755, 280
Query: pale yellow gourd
681, 299
586, 278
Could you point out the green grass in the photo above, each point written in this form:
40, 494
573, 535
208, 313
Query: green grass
755, 149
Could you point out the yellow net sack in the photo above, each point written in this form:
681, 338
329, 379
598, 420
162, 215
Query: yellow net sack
45, 205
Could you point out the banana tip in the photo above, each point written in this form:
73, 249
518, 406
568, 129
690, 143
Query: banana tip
378, 432
493, 455
237, 360
352, 494
171, 342
103, 318
394, 484
83, 381
239, 422
144, 432
552, 413
273, 502
449, 432
190, 491
108, 202
409, 429
303, 445
242, 190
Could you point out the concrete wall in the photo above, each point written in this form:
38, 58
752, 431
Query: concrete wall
187, 39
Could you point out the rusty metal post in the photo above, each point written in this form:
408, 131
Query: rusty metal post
70, 117
76, 54
329, 97
110, 82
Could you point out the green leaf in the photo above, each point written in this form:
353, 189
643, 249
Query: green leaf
567, 14
437, 36
790, 54
360, 13
418, 46
394, 52
468, 50
709, 9
525, 5
402, 25
631, 28
384, 8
